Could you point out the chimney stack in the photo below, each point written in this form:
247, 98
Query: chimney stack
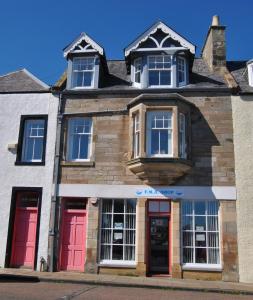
214, 50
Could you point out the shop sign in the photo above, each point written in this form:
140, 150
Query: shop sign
162, 192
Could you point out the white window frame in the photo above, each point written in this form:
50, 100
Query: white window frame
250, 73
149, 133
201, 266
70, 140
182, 134
83, 71
137, 62
29, 135
113, 261
180, 58
136, 135
161, 69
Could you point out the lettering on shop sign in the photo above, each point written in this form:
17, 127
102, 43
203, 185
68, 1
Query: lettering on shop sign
151, 192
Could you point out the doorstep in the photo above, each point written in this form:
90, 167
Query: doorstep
128, 281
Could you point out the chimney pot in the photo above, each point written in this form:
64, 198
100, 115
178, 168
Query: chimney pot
216, 20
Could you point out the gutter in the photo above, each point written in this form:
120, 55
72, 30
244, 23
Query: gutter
54, 202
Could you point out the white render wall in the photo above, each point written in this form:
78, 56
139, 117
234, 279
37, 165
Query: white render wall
243, 141
12, 106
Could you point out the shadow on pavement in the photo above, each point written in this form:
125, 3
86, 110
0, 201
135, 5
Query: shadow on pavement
18, 278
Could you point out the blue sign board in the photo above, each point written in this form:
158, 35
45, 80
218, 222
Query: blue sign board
160, 192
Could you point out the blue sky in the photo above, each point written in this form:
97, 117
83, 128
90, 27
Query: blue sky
33, 33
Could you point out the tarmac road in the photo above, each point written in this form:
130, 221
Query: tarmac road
65, 291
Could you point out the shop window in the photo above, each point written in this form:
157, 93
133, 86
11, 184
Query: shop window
200, 233
159, 133
79, 139
117, 232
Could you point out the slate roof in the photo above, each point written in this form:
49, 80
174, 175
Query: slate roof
240, 73
118, 79
21, 81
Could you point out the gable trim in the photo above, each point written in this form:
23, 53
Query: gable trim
78, 41
171, 33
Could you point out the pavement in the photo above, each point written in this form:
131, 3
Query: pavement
165, 283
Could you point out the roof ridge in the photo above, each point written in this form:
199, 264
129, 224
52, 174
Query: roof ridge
12, 72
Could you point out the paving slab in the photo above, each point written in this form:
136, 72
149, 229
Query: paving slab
128, 281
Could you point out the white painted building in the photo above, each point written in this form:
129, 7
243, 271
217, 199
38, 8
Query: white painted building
28, 117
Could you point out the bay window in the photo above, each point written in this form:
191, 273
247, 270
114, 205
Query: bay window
79, 139
200, 233
117, 231
136, 137
159, 69
83, 72
159, 133
182, 136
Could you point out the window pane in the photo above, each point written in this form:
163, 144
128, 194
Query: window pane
131, 206
213, 240
84, 146
107, 206
187, 223
200, 239
153, 77
105, 236
87, 78
129, 252
75, 147
214, 256
38, 149
200, 223
77, 79
200, 208
164, 206
212, 223
117, 252
155, 142
165, 78
188, 239
107, 221
119, 206
153, 206
117, 237
130, 221
130, 237
164, 141
105, 252
28, 149
201, 255
188, 255
187, 208
212, 207
118, 221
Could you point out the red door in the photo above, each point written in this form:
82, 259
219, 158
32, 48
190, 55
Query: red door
73, 237
25, 227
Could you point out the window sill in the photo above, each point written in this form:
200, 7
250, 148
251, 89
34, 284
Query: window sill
78, 163
202, 267
117, 265
26, 163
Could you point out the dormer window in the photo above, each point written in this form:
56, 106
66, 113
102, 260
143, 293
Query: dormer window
159, 69
181, 66
137, 71
83, 72
250, 72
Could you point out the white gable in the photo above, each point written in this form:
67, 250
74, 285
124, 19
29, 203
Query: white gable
170, 34
77, 47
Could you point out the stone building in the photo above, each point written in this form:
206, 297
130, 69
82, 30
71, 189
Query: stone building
28, 119
146, 179
242, 104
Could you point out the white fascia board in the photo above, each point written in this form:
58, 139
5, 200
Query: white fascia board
142, 191
88, 40
165, 29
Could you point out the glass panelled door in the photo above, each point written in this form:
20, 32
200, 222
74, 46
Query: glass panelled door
159, 239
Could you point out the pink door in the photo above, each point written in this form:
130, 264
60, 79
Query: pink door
73, 239
24, 235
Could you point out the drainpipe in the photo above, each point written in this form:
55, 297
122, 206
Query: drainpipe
53, 224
